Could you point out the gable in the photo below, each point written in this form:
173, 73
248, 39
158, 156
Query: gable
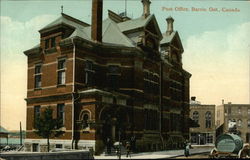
176, 42
153, 27
172, 39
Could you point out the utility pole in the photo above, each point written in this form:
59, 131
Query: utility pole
21, 135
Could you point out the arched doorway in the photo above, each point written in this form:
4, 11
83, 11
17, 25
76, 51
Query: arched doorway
115, 123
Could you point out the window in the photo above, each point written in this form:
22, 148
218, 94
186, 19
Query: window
61, 72
85, 120
38, 76
35, 147
239, 123
194, 138
196, 116
248, 111
50, 42
248, 123
36, 114
53, 42
89, 73
208, 117
239, 110
46, 43
61, 113
151, 82
209, 138
113, 74
59, 146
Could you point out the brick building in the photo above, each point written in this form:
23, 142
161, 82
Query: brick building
204, 115
239, 113
120, 77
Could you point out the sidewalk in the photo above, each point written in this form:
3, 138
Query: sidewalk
159, 154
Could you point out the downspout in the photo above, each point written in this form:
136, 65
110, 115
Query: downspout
73, 99
160, 104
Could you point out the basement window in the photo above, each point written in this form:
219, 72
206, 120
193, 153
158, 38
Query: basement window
59, 146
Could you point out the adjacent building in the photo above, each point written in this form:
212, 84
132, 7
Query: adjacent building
116, 78
204, 115
239, 113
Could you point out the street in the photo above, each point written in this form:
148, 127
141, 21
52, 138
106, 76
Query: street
196, 156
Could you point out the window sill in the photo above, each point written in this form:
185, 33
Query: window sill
37, 89
50, 50
61, 85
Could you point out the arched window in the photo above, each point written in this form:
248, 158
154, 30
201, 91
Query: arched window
239, 123
85, 119
208, 117
196, 116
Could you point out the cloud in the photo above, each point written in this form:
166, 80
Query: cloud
16, 37
219, 63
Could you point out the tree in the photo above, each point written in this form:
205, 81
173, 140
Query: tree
48, 127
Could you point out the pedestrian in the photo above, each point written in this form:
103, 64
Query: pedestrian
133, 143
128, 148
186, 150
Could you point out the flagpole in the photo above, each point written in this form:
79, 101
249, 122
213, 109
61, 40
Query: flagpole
125, 8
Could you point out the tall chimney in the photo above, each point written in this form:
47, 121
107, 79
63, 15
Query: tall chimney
146, 8
96, 26
170, 22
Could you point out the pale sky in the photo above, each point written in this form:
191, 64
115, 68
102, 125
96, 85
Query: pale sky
216, 45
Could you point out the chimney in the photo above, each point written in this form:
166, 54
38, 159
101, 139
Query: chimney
96, 26
170, 22
146, 8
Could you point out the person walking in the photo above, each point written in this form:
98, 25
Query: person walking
128, 148
186, 150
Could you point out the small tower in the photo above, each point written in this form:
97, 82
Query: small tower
146, 8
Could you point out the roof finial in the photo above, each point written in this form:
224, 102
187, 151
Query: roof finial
61, 8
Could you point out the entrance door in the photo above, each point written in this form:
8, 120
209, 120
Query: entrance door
247, 137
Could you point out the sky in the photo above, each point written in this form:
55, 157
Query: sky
216, 45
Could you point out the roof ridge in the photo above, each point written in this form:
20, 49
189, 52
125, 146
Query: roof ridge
75, 20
